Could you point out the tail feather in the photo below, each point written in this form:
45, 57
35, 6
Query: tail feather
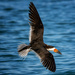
23, 50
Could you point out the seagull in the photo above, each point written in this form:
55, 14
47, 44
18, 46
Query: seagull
37, 44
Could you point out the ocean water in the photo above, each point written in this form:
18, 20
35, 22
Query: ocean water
58, 17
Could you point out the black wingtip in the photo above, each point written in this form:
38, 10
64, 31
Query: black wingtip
31, 3
53, 70
49, 63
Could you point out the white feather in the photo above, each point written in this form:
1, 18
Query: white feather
50, 49
30, 34
24, 53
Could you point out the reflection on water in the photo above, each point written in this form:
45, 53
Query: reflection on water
58, 17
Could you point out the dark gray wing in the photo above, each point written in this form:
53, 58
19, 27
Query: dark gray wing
36, 39
36, 30
47, 59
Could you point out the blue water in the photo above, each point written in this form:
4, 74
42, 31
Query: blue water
58, 17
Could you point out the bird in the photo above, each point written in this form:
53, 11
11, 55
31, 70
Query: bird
37, 44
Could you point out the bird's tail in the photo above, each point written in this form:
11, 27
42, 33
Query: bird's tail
23, 50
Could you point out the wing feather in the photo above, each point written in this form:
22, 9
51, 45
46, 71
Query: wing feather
47, 59
36, 24
36, 39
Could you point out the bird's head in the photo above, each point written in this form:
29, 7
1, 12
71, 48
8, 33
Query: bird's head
52, 48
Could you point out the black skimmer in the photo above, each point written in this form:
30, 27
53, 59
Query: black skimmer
36, 41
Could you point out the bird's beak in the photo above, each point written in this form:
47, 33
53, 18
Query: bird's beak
59, 52
56, 51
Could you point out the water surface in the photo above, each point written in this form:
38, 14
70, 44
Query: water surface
58, 17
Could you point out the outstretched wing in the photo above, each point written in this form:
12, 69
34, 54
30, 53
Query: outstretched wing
47, 59
36, 35
36, 30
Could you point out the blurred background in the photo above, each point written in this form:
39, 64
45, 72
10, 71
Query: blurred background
58, 17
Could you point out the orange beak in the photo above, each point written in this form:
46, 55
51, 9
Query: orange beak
56, 51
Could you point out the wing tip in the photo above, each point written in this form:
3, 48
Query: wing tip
49, 64
31, 4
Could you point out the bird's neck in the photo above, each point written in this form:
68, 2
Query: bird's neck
50, 49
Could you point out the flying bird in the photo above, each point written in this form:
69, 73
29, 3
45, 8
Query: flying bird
36, 41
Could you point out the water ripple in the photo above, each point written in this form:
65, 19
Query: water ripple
58, 17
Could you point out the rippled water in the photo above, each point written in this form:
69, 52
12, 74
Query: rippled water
58, 17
